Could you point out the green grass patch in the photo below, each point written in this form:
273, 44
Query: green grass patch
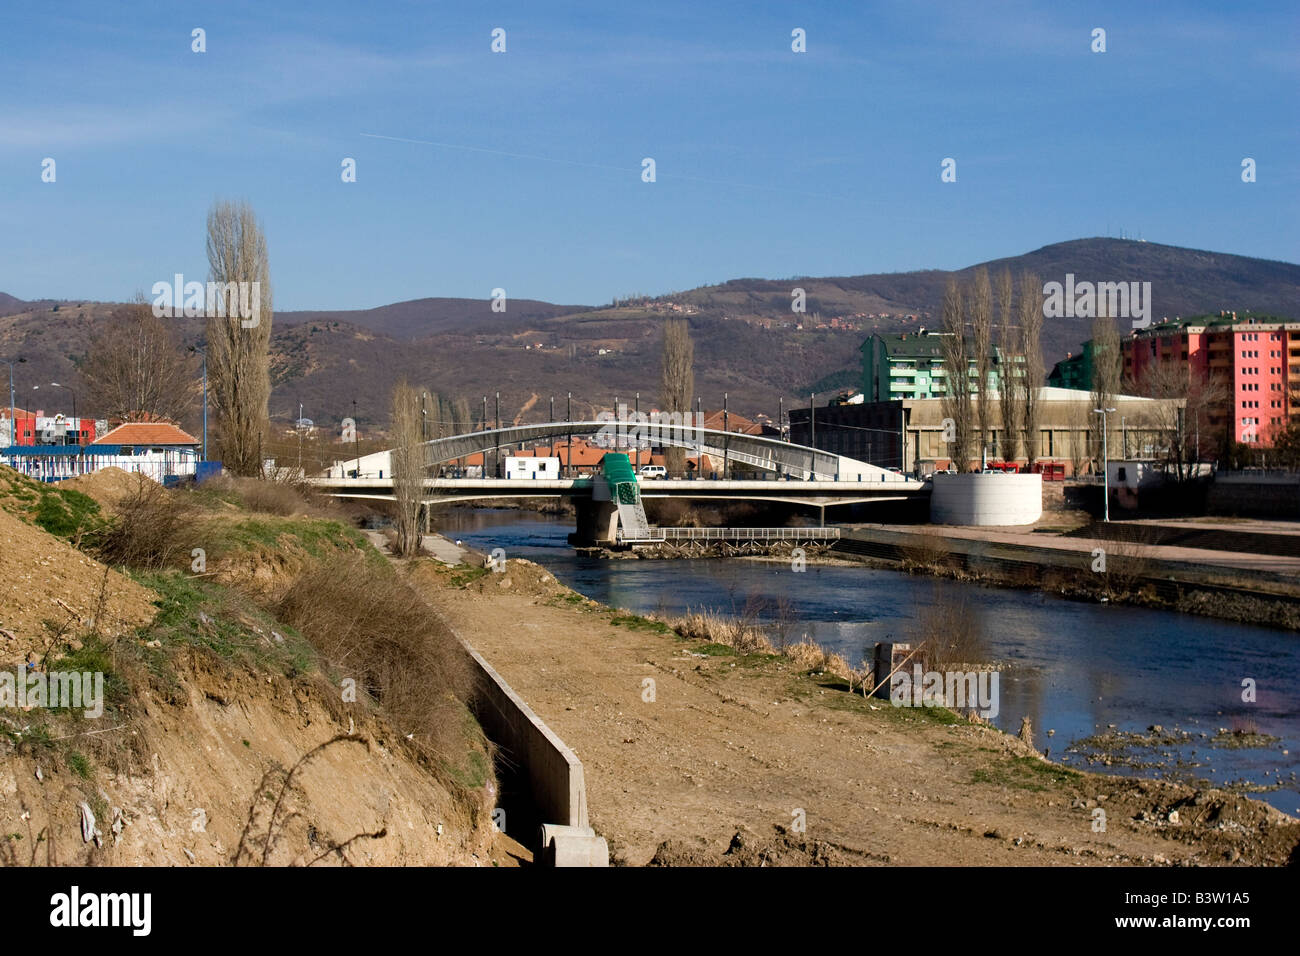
199, 613
79, 764
715, 650
639, 623
1025, 773
62, 512
315, 536
96, 657
473, 771
462, 575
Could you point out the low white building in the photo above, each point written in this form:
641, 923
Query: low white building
532, 467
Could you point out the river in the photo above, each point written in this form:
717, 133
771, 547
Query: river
1070, 666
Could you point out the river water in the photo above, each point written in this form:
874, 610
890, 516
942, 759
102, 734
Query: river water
1070, 666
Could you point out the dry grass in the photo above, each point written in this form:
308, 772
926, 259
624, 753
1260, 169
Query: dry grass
285, 497
719, 629
372, 626
153, 528
746, 638
926, 550
952, 634
1128, 562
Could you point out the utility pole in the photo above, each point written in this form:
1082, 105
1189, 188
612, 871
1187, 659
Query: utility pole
13, 422
202, 350
496, 448
551, 450
568, 417
298, 429
486, 429
699, 436
726, 439
812, 419
356, 436
1105, 470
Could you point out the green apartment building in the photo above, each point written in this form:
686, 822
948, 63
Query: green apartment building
1074, 371
908, 365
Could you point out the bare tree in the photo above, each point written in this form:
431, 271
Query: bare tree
981, 320
1079, 450
135, 367
677, 383
239, 334
1107, 363
1286, 444
408, 467
1031, 348
1009, 380
956, 397
1184, 418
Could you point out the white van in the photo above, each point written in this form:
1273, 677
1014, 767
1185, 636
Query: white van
653, 471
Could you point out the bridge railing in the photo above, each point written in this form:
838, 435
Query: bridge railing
766, 535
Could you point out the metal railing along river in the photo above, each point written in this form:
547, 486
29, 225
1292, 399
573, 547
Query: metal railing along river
656, 535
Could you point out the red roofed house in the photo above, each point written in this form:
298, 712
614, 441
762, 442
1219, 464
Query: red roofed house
156, 449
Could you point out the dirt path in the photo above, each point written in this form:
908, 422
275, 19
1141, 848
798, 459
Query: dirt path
735, 745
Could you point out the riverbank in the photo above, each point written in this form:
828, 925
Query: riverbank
1254, 588
698, 754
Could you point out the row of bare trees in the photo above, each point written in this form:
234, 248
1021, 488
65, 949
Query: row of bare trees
1019, 372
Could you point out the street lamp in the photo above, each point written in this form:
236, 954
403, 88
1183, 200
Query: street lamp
356, 438
13, 422
74, 411
203, 351
1105, 470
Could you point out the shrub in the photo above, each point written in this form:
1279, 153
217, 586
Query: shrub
152, 528
374, 627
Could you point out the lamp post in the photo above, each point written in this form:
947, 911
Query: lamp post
79, 469
1105, 470
13, 422
202, 350
74, 404
356, 437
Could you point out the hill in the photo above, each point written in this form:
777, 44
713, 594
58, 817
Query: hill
748, 343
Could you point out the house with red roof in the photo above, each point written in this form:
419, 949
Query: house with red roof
160, 450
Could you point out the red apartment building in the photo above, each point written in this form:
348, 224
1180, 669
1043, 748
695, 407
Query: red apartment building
1258, 358
26, 431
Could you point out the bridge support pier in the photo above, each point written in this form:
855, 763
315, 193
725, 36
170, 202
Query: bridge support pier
597, 524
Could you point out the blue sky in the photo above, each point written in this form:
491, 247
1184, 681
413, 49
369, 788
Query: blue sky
522, 170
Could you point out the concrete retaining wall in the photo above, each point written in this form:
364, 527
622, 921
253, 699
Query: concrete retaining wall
554, 772
971, 499
1276, 498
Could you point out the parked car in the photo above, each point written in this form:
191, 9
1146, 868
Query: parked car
653, 471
